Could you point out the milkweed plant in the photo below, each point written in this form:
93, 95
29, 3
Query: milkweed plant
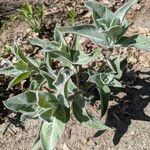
56, 93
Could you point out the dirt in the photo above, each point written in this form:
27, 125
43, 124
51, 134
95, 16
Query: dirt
129, 109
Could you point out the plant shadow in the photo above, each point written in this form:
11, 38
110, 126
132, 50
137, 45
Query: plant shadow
131, 106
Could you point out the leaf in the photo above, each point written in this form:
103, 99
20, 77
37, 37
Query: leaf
98, 9
19, 78
47, 114
88, 31
10, 71
82, 58
46, 100
83, 117
138, 41
44, 44
38, 42
117, 66
71, 87
102, 81
60, 56
24, 102
37, 82
26, 116
48, 77
105, 96
113, 33
121, 12
20, 55
61, 83
21, 65
51, 132
58, 36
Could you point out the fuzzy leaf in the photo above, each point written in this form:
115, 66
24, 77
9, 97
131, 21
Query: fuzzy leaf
88, 31
46, 100
100, 10
105, 96
44, 44
61, 84
83, 117
24, 102
138, 41
58, 36
47, 114
51, 132
121, 12
37, 82
82, 58
19, 78
10, 71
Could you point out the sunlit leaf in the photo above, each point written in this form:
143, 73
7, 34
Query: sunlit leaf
24, 102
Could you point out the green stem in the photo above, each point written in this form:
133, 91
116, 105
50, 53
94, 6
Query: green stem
78, 76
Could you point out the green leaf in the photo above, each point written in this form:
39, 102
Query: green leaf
71, 87
60, 56
51, 132
117, 66
46, 100
44, 44
105, 96
138, 41
25, 116
82, 58
83, 117
47, 114
20, 55
121, 12
19, 78
48, 78
21, 65
113, 33
10, 71
88, 31
99, 10
38, 42
37, 82
24, 102
103, 81
61, 84
58, 36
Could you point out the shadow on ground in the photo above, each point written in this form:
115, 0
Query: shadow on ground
132, 105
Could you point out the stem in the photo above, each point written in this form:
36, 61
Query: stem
78, 76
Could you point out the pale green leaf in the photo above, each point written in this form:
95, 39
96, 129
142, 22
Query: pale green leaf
24, 102
58, 36
10, 71
19, 78
37, 82
104, 97
46, 100
51, 132
121, 12
101, 11
88, 31
61, 83
138, 41
81, 58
